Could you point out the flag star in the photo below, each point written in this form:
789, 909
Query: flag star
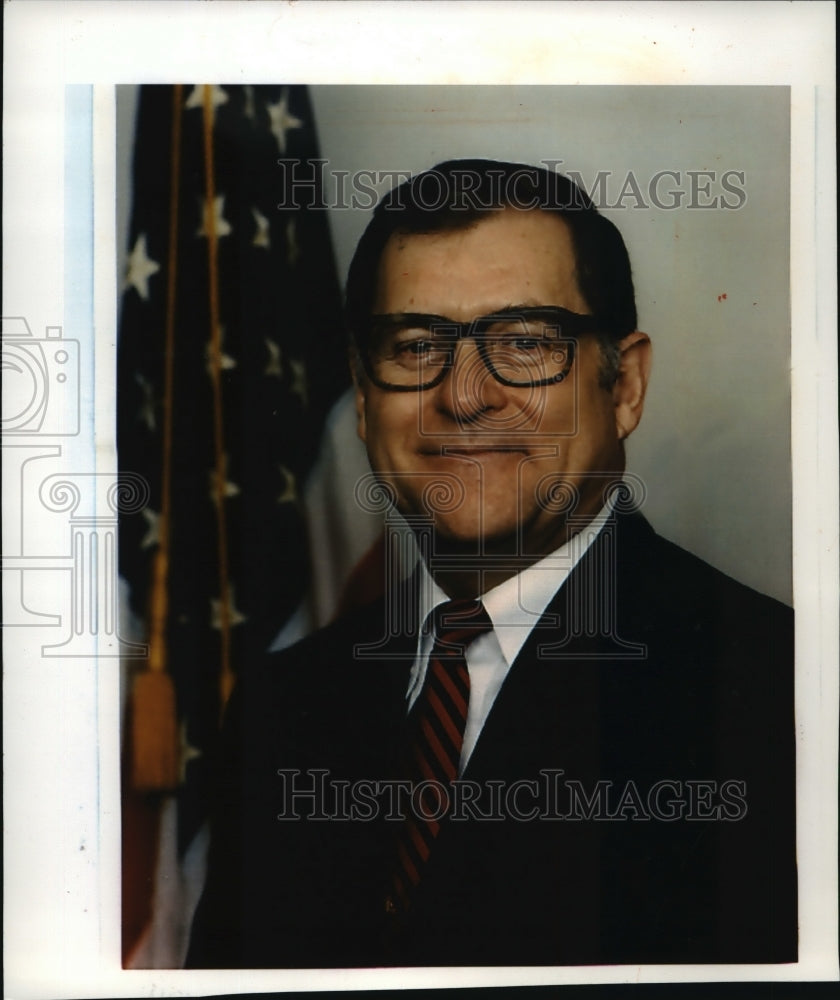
299, 379
289, 494
221, 226
147, 407
292, 247
262, 237
140, 268
250, 109
187, 751
226, 362
281, 121
229, 489
234, 616
275, 362
196, 98
152, 536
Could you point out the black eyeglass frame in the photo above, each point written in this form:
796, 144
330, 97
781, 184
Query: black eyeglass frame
570, 325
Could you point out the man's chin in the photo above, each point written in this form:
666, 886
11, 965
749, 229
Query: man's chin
471, 537
510, 538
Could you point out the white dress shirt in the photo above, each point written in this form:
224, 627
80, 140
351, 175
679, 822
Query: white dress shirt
514, 607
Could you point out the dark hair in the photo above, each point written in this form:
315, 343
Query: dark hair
456, 194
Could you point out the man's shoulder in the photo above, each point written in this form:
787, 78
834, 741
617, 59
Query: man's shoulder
656, 569
356, 627
381, 630
338, 664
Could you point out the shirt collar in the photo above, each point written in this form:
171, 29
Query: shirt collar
517, 604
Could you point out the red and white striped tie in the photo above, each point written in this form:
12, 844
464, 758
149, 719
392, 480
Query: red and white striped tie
438, 720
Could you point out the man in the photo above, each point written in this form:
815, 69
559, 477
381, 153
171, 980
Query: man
562, 740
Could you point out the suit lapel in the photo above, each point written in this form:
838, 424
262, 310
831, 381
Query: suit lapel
549, 704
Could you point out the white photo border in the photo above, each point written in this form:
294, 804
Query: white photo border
61, 793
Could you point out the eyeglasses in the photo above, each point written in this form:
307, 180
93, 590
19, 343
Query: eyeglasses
407, 352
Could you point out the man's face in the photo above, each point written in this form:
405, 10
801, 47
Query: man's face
507, 454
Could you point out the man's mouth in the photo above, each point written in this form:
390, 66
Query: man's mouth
473, 450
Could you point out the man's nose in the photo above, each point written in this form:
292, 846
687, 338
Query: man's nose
470, 390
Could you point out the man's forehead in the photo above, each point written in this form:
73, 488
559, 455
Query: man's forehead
507, 257
453, 226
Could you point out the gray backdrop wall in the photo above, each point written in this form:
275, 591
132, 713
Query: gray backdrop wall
710, 256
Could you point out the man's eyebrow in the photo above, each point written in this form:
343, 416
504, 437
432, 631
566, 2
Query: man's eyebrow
390, 317
534, 304
514, 307
397, 319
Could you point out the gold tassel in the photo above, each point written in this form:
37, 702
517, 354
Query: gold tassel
155, 751
155, 737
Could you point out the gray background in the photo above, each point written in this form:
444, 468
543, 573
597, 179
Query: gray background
713, 447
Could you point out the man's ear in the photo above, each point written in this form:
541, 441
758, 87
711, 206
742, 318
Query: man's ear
358, 384
631, 384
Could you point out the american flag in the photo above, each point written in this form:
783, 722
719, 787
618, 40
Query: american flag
230, 354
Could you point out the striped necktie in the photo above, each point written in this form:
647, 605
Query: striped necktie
437, 726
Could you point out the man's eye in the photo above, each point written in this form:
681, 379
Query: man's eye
526, 343
518, 333
414, 347
522, 340
421, 350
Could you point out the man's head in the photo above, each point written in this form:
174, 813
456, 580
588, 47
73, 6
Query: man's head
511, 413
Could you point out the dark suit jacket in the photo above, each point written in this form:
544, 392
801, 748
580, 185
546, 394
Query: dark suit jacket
654, 674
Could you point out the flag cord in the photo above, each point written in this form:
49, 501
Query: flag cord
155, 763
226, 674
160, 585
